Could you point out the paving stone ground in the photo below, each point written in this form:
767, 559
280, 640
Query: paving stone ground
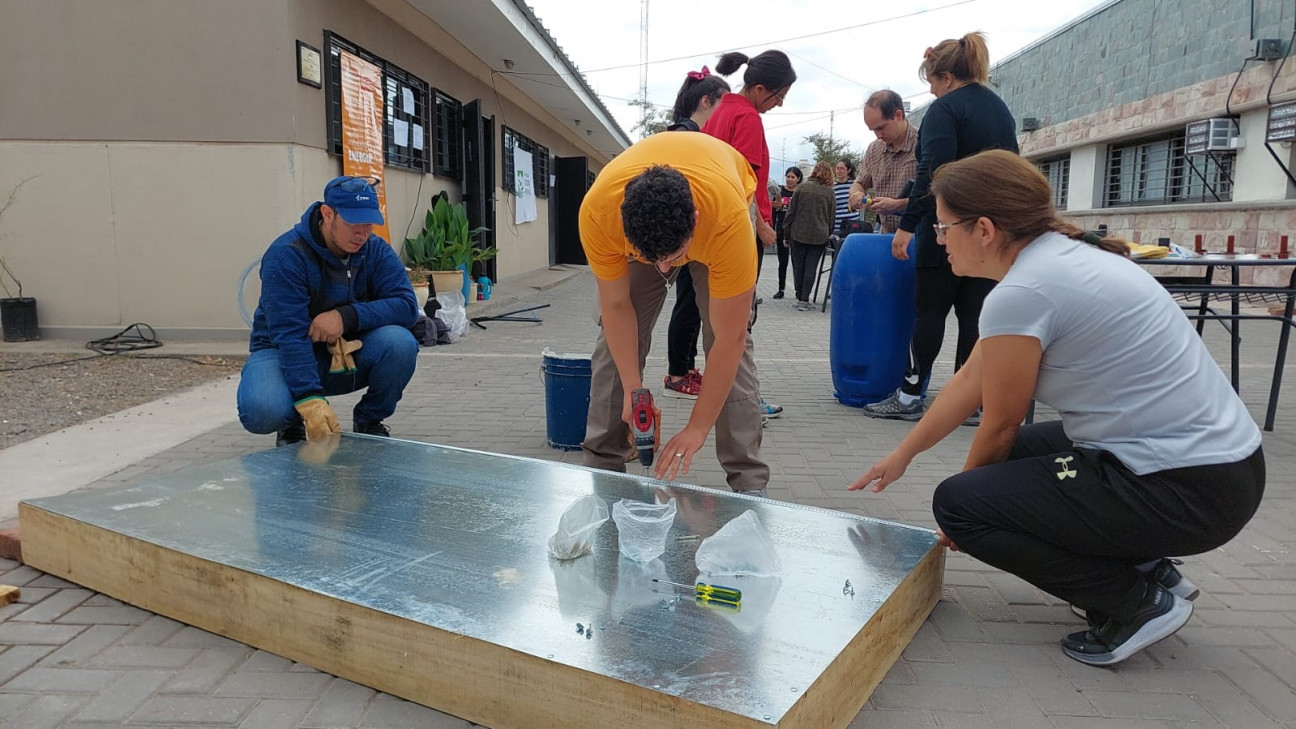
987, 657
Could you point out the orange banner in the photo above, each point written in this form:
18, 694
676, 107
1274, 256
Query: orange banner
362, 126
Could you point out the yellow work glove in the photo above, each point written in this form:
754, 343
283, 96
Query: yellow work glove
342, 362
319, 417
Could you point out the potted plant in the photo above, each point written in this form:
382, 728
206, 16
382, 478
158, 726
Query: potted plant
446, 247
17, 313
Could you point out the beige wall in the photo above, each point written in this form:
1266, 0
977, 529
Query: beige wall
172, 143
157, 70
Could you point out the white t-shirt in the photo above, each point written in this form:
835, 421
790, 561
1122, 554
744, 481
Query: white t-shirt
1121, 362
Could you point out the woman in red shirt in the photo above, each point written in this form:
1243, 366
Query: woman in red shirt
736, 120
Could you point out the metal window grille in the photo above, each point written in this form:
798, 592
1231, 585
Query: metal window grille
1157, 172
539, 159
447, 135
406, 112
1058, 172
395, 81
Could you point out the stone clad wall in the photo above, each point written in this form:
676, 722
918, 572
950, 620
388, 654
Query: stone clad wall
1131, 50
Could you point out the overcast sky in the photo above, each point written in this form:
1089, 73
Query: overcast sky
842, 51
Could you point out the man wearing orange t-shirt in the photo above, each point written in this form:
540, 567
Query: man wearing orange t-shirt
675, 200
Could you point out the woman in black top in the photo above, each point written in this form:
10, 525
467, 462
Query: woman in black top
965, 118
783, 246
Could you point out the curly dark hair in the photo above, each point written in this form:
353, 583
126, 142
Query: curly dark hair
658, 213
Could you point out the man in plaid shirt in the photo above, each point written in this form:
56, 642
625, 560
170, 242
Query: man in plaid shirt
890, 162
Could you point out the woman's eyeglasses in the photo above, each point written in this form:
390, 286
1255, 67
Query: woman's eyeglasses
943, 228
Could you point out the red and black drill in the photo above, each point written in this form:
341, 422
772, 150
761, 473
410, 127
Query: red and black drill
643, 424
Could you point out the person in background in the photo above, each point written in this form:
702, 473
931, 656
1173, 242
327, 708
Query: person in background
965, 118
791, 178
669, 201
696, 100
844, 172
333, 317
808, 224
1155, 456
890, 161
766, 82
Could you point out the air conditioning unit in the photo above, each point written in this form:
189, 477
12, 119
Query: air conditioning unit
1211, 135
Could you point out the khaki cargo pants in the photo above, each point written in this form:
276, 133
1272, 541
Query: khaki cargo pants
738, 429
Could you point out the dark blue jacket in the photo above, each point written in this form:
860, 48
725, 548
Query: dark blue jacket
301, 279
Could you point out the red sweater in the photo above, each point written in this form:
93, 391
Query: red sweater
737, 122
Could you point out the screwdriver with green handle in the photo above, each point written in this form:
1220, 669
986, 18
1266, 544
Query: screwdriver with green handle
711, 593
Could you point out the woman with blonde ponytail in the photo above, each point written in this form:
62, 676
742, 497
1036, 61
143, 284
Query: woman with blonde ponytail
1154, 457
965, 118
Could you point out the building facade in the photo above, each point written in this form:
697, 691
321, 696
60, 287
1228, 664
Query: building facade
165, 143
1104, 105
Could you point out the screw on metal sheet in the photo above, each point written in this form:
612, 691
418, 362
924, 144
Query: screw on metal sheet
848, 589
657, 686
688, 538
794, 689
589, 634
550, 656
580, 629
767, 717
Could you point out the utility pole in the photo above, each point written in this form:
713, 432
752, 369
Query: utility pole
643, 62
832, 118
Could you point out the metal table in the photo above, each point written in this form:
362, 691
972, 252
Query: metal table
1205, 287
455, 540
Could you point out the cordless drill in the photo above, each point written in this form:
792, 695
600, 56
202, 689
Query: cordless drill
641, 419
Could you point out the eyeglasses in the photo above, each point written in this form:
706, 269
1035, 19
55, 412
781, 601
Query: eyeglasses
943, 228
353, 184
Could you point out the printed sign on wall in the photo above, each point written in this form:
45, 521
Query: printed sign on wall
362, 126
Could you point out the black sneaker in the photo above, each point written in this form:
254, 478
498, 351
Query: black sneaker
1166, 574
375, 428
295, 433
1159, 616
778, 294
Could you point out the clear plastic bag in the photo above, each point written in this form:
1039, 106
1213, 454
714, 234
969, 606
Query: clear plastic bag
741, 547
453, 313
576, 527
642, 528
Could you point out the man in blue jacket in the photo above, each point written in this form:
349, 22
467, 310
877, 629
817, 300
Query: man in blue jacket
333, 318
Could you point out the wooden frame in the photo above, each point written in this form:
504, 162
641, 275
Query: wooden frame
467, 677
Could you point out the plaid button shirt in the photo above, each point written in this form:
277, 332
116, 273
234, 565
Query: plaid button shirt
886, 169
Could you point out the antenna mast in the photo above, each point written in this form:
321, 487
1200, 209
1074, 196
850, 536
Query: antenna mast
643, 63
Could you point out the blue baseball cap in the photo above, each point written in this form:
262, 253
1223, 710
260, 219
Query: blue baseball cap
355, 199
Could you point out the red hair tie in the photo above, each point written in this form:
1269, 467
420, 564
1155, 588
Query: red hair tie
699, 75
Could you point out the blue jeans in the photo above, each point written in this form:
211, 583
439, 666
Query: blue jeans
384, 364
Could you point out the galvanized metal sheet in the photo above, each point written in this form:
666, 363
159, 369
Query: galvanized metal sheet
457, 539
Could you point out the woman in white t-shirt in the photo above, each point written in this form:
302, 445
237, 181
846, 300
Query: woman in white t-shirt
1155, 455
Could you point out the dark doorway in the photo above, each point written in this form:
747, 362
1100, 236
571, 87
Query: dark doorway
572, 177
479, 178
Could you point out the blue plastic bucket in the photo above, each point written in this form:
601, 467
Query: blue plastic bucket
872, 319
567, 397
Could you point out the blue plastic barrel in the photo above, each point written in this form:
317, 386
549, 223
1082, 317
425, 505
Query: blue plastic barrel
567, 396
872, 319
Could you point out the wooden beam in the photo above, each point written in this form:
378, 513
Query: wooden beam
9, 593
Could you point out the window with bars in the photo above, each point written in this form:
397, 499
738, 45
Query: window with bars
539, 159
1157, 172
405, 108
1058, 172
447, 135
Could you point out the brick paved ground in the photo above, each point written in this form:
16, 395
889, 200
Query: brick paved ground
988, 657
